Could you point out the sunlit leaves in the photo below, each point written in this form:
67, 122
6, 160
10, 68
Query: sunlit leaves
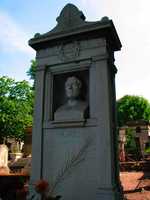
132, 108
16, 107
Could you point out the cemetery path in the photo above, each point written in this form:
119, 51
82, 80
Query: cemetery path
136, 185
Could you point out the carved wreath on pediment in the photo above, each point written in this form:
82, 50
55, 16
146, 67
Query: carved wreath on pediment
70, 51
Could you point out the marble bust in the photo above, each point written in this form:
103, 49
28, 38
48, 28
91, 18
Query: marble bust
74, 109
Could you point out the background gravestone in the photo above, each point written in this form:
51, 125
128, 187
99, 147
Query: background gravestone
77, 155
4, 159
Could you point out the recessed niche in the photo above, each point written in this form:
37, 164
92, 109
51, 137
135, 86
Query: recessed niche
59, 93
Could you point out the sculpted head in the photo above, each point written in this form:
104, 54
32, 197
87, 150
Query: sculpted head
72, 87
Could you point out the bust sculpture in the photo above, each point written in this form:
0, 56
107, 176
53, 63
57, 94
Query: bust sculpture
74, 109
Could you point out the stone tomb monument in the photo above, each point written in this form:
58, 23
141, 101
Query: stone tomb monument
74, 144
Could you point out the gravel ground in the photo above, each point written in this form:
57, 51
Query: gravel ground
138, 196
136, 185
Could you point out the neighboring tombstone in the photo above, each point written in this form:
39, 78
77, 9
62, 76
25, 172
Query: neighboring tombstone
74, 140
27, 148
4, 159
122, 140
16, 148
141, 129
27, 167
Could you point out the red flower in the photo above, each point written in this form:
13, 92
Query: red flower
41, 186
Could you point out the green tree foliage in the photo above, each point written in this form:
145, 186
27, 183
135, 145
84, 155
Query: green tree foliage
16, 107
132, 108
147, 148
32, 70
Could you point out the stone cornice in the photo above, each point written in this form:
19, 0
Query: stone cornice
72, 26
